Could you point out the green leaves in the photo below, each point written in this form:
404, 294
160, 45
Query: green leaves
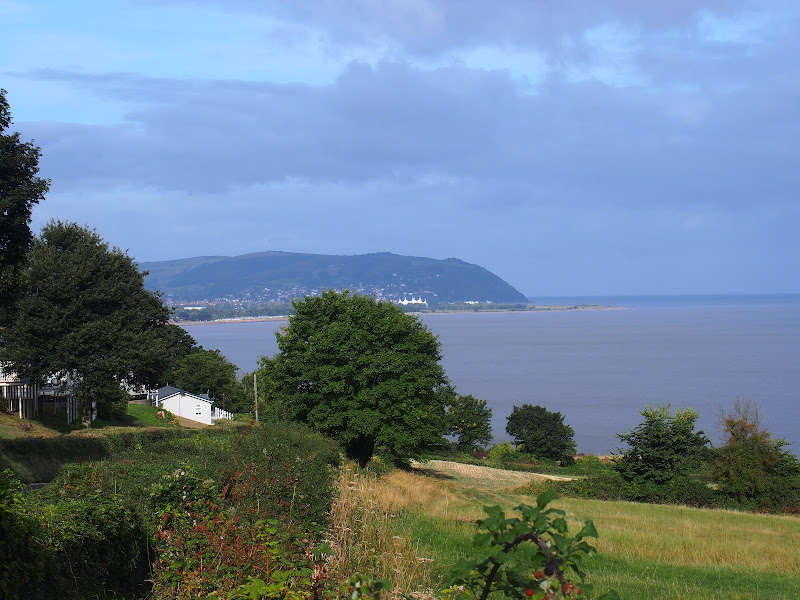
524, 557
662, 447
87, 314
469, 421
20, 190
363, 372
541, 433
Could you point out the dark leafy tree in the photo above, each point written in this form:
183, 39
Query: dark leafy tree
541, 433
752, 467
207, 371
362, 372
20, 190
88, 315
469, 420
664, 446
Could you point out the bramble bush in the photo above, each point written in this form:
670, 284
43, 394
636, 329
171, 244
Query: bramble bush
206, 547
528, 557
88, 547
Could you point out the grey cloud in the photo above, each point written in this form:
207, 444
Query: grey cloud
435, 26
395, 121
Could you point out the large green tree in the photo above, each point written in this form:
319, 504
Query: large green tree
20, 190
541, 432
88, 315
363, 372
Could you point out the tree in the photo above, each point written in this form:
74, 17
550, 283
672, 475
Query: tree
751, 466
88, 315
662, 447
469, 421
203, 371
20, 190
363, 372
541, 433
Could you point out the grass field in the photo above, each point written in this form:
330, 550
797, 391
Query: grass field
644, 551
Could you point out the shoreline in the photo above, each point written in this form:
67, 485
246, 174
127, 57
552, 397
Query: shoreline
532, 308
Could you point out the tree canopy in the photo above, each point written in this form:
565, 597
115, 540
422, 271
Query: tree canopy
664, 446
20, 190
88, 315
363, 372
469, 421
541, 433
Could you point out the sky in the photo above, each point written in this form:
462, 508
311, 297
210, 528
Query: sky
573, 147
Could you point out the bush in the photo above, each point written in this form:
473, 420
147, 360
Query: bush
752, 469
283, 472
22, 558
501, 454
661, 448
95, 547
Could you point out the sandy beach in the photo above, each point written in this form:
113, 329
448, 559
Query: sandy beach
532, 308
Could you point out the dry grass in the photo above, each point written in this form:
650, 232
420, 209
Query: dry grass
361, 540
711, 547
685, 536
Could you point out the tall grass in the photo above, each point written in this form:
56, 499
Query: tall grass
644, 550
365, 538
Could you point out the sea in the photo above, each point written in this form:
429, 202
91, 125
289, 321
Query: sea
599, 368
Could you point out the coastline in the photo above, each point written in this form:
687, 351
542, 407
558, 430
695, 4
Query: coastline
532, 308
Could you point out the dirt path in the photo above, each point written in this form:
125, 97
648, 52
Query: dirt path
478, 475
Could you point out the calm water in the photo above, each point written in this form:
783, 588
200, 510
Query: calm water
598, 368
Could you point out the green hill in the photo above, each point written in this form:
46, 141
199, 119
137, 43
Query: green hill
280, 276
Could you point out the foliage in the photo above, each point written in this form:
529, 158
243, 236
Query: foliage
98, 546
204, 547
752, 468
527, 557
88, 315
21, 557
469, 421
20, 190
500, 454
362, 372
662, 447
86, 547
541, 433
283, 472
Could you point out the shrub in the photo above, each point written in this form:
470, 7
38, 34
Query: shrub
501, 453
661, 448
283, 472
527, 557
95, 547
752, 468
206, 547
22, 559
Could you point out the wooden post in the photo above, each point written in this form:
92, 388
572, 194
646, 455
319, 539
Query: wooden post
255, 394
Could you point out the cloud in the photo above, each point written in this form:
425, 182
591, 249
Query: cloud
612, 136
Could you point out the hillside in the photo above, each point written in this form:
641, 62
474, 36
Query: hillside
281, 276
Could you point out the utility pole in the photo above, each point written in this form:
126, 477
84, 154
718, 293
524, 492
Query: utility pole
255, 394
